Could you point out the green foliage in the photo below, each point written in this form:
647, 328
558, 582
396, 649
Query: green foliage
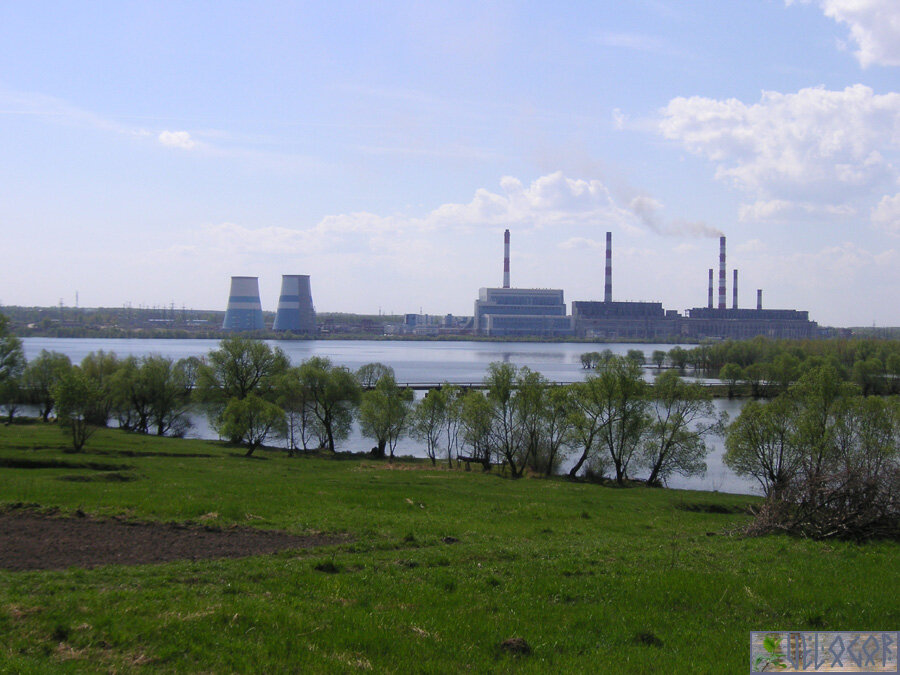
12, 365
41, 376
384, 413
77, 397
333, 393
252, 420
429, 418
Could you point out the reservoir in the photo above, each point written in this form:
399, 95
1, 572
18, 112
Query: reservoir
418, 362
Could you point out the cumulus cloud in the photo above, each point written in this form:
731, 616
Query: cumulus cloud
874, 27
177, 139
816, 147
886, 214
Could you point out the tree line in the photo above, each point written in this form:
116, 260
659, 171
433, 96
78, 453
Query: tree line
613, 423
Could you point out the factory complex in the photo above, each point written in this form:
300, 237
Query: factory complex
539, 312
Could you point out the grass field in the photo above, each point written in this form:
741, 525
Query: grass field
440, 567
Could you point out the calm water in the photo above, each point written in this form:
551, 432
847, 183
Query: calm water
414, 362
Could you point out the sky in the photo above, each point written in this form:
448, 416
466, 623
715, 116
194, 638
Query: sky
151, 150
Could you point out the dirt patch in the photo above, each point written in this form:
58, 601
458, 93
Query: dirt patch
30, 541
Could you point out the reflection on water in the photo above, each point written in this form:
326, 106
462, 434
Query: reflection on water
462, 362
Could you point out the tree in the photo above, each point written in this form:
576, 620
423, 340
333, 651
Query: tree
252, 420
658, 358
557, 429
77, 396
637, 356
476, 419
761, 443
131, 396
731, 373
384, 413
682, 416
506, 423
169, 384
368, 374
40, 377
295, 400
626, 404
100, 367
12, 365
529, 402
239, 367
678, 357
452, 395
334, 393
589, 413
428, 421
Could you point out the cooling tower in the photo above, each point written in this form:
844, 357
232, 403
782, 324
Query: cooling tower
295, 306
244, 310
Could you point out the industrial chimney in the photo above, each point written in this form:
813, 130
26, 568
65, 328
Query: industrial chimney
710, 304
734, 291
607, 292
244, 311
758, 298
506, 259
295, 306
721, 272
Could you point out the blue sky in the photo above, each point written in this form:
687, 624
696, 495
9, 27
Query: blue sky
150, 150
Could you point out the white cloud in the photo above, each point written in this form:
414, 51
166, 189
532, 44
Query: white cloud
634, 41
813, 151
177, 139
781, 210
874, 27
886, 214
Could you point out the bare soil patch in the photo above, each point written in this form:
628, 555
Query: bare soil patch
31, 541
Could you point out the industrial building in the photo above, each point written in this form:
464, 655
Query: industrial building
542, 312
295, 312
244, 310
518, 312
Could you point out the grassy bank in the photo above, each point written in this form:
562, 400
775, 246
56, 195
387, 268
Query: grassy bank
440, 568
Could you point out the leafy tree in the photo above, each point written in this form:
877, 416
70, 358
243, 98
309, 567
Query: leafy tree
557, 429
761, 443
101, 367
239, 367
295, 400
252, 420
131, 396
334, 393
170, 384
869, 375
637, 356
658, 358
41, 375
428, 421
384, 413
77, 396
590, 413
529, 402
506, 423
678, 357
730, 374
12, 365
626, 403
682, 417
368, 374
452, 395
755, 375
476, 420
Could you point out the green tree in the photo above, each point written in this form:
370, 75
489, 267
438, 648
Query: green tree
678, 357
12, 366
368, 374
658, 358
428, 421
637, 356
295, 400
334, 394
476, 420
384, 413
506, 426
627, 405
101, 367
41, 375
77, 396
761, 444
731, 373
590, 412
252, 420
682, 417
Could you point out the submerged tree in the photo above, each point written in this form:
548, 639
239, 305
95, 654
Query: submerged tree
40, 377
384, 413
334, 393
252, 420
428, 421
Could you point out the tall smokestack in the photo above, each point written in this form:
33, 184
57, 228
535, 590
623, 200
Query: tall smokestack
721, 272
734, 291
758, 298
607, 292
506, 259
710, 287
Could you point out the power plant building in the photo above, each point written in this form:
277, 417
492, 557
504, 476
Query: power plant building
244, 310
296, 312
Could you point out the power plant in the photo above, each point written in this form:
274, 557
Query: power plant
538, 312
295, 306
295, 311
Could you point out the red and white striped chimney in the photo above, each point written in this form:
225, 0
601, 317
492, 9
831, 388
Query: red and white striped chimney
506, 259
607, 291
721, 272
734, 291
710, 288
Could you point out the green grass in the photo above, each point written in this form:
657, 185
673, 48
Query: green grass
579, 571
